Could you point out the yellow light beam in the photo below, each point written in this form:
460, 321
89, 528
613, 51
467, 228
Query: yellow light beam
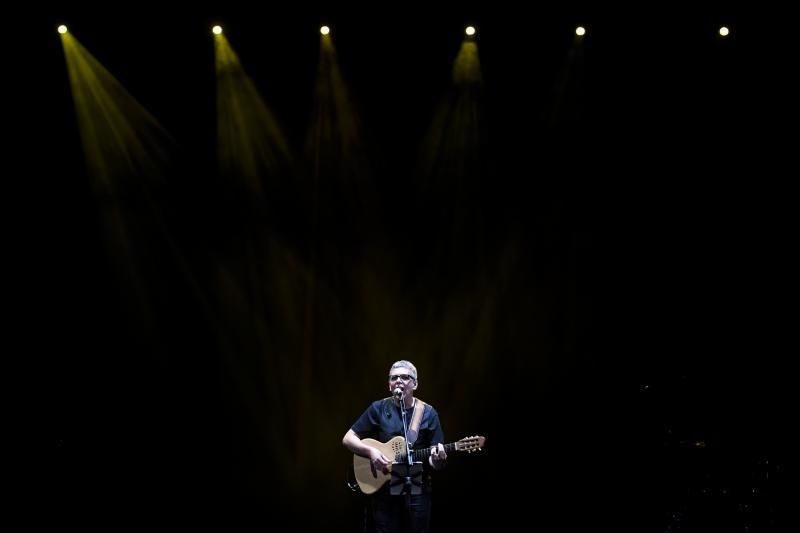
250, 144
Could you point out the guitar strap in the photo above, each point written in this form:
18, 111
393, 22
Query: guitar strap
413, 428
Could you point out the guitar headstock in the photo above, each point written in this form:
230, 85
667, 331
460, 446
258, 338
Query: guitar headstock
471, 444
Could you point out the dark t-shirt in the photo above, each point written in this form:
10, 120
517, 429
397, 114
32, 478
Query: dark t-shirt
382, 421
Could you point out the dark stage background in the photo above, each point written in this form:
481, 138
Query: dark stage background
591, 268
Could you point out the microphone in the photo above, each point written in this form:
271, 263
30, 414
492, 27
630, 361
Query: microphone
398, 392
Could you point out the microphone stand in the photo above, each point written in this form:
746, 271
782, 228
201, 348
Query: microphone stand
409, 458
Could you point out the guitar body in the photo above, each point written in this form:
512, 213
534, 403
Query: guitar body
370, 480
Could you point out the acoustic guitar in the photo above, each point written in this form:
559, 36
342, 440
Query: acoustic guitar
370, 479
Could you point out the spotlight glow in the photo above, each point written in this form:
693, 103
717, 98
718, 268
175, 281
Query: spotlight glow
62, 29
324, 30
216, 30
724, 31
470, 30
580, 31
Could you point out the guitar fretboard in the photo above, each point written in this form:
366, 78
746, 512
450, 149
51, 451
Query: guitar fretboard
424, 453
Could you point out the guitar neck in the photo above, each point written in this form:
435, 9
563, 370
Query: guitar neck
424, 453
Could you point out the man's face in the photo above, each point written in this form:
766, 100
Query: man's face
401, 377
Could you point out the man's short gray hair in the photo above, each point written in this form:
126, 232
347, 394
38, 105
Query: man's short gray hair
412, 370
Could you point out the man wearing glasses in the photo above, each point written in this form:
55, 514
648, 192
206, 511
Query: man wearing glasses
396, 509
